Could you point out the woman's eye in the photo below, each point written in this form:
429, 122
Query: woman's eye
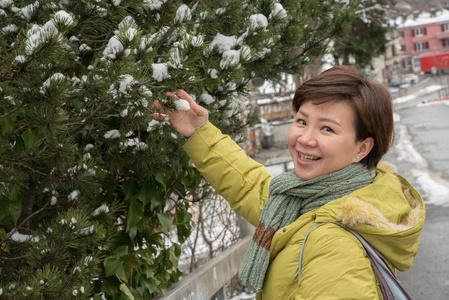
327, 129
301, 122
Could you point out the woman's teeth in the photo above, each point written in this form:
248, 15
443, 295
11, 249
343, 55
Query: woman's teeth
308, 157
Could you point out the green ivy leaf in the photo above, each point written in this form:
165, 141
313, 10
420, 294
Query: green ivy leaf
124, 288
183, 232
166, 222
129, 263
109, 286
7, 124
121, 251
130, 187
188, 179
152, 192
4, 204
173, 257
113, 265
135, 215
30, 137
164, 177
149, 191
78, 104
15, 209
122, 267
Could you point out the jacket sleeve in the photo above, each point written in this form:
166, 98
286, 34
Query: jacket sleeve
336, 266
242, 181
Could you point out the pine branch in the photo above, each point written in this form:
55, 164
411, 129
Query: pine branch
91, 117
15, 229
13, 258
170, 31
26, 166
14, 110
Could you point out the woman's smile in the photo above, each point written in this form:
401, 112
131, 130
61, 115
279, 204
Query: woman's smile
322, 139
307, 158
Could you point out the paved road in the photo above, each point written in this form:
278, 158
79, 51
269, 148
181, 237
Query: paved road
421, 154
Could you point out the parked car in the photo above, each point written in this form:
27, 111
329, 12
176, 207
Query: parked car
409, 78
394, 82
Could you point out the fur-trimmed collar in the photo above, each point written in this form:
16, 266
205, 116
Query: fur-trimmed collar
355, 211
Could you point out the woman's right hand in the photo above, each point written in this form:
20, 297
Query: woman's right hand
186, 122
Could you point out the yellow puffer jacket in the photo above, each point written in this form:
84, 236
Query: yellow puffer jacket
389, 214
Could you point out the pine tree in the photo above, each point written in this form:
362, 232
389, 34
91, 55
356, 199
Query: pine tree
90, 184
367, 38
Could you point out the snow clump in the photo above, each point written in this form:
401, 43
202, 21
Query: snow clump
26, 12
20, 59
160, 72
112, 134
102, 209
182, 14
182, 104
258, 21
6, 3
73, 195
154, 4
206, 99
113, 47
63, 18
140, 146
278, 11
126, 82
57, 78
20, 238
222, 43
154, 124
11, 28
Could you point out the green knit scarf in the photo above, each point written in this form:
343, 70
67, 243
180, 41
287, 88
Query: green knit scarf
291, 197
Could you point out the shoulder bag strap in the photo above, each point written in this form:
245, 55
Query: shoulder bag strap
389, 284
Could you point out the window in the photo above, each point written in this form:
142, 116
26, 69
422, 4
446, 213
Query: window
401, 34
416, 63
421, 46
404, 64
445, 27
419, 31
445, 42
403, 49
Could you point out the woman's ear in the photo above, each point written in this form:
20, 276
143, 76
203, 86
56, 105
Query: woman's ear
365, 147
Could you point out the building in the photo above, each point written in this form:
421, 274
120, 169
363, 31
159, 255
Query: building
424, 40
388, 65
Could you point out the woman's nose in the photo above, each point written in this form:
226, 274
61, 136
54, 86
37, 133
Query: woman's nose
307, 139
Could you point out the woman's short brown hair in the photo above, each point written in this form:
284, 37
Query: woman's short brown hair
370, 100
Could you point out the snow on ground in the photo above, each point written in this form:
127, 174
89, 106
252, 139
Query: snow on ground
426, 90
244, 296
444, 101
439, 193
433, 188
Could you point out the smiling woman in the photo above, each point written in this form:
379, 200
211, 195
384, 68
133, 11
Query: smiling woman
323, 139
342, 128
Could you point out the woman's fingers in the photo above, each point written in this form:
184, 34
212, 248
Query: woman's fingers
170, 94
193, 106
183, 95
180, 94
159, 116
158, 105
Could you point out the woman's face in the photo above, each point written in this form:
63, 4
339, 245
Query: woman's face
322, 139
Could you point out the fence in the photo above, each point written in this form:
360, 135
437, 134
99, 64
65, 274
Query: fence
209, 279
